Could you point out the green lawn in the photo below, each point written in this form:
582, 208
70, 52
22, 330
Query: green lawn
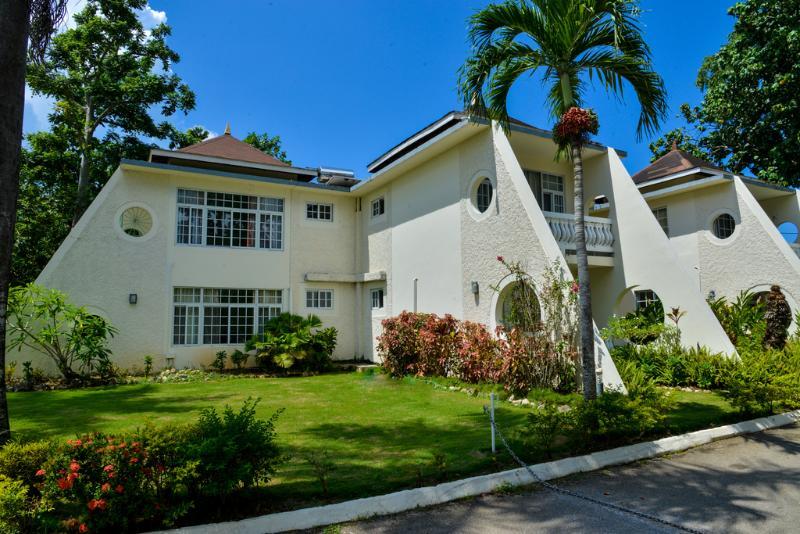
380, 432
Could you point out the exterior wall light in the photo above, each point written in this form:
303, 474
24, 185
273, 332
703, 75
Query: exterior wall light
475, 288
712, 294
133, 298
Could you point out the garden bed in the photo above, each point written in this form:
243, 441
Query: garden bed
382, 434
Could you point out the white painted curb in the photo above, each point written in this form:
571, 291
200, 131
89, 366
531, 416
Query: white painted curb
401, 501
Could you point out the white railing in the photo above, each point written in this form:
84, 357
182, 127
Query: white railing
599, 231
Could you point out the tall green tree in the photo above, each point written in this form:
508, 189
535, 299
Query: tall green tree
749, 118
268, 144
192, 136
108, 72
570, 43
25, 27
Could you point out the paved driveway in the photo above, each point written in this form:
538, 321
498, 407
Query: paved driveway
745, 484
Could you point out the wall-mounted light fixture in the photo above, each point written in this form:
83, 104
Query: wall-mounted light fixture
475, 288
133, 298
712, 294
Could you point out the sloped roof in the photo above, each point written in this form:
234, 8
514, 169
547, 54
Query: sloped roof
673, 162
228, 147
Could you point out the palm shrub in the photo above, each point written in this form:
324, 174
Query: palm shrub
742, 319
293, 342
46, 321
572, 43
778, 317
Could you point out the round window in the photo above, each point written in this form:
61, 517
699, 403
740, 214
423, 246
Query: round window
136, 221
483, 195
789, 231
724, 225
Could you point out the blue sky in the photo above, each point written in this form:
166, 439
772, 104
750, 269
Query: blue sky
343, 81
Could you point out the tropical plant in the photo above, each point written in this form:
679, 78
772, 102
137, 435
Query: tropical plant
291, 340
742, 319
75, 340
572, 43
219, 361
239, 358
26, 28
778, 316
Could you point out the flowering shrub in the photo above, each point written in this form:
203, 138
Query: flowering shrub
399, 344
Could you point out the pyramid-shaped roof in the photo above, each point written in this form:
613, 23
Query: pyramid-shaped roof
228, 147
673, 162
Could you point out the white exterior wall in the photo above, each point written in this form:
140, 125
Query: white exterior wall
98, 265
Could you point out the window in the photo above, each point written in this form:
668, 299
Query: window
136, 221
229, 220
319, 212
377, 298
661, 217
548, 189
319, 298
483, 195
378, 207
211, 316
645, 298
724, 225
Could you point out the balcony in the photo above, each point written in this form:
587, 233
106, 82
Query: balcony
599, 237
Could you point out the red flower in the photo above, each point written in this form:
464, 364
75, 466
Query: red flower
575, 287
99, 504
111, 474
73, 476
83, 528
119, 488
40, 473
74, 442
105, 487
134, 460
108, 468
64, 483
501, 259
74, 467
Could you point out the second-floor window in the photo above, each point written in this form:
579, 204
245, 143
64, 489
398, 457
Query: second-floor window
661, 217
319, 212
548, 189
320, 299
229, 220
378, 207
377, 298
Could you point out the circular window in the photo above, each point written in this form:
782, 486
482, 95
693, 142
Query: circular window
789, 231
724, 225
483, 195
136, 221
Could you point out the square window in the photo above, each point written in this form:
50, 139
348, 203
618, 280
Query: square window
319, 212
378, 207
319, 299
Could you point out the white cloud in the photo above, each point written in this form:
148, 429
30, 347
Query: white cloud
37, 108
151, 18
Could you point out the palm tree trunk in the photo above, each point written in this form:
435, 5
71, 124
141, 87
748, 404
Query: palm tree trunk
584, 291
14, 27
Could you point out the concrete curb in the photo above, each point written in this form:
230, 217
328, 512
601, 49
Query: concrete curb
402, 501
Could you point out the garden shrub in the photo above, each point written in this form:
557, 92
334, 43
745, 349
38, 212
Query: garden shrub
143, 480
742, 319
74, 339
239, 358
545, 423
764, 381
16, 508
399, 343
615, 418
219, 361
778, 317
294, 342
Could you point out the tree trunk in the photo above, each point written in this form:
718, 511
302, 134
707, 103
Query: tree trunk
82, 195
584, 288
14, 26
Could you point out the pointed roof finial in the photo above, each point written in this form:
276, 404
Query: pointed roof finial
227, 128
674, 144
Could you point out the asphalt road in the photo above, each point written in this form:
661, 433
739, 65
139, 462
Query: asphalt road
746, 484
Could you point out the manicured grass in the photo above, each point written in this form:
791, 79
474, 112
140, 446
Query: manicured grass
381, 433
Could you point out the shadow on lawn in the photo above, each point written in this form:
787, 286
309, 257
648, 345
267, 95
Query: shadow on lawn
91, 409
689, 416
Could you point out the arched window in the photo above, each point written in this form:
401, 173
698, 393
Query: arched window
483, 195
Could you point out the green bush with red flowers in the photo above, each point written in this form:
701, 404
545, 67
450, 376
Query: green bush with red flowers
149, 479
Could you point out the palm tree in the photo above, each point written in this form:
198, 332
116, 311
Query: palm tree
20, 21
571, 43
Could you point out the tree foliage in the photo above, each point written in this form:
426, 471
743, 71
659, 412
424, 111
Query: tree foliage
192, 136
749, 118
268, 144
109, 72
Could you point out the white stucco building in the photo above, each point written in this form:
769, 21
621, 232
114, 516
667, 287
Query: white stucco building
189, 252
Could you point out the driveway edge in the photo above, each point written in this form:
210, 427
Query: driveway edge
402, 501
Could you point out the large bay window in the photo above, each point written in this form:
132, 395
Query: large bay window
229, 220
212, 316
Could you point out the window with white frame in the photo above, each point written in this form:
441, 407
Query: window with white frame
377, 298
483, 195
661, 217
319, 212
645, 298
378, 207
320, 299
548, 189
221, 316
229, 220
